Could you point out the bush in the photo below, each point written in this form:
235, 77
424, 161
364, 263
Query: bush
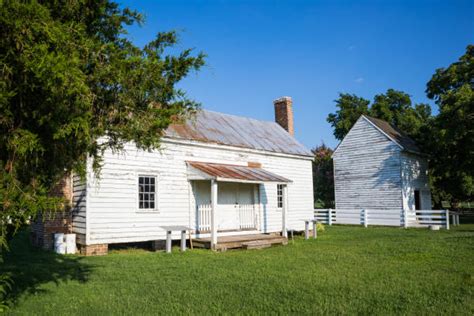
320, 227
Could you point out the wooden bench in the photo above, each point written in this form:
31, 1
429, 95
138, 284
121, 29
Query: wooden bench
169, 231
314, 221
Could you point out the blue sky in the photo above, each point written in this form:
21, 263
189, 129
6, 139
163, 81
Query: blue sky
309, 50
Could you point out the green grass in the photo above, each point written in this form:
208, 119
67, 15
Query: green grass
347, 270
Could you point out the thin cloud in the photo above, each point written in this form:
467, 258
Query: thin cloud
359, 80
351, 48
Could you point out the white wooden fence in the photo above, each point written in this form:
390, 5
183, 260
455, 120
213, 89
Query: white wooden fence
246, 213
366, 217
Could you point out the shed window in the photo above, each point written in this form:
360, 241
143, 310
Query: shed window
146, 192
280, 195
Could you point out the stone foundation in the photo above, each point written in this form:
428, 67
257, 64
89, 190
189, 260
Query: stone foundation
94, 250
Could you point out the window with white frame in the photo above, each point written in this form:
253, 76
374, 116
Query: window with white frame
146, 192
280, 196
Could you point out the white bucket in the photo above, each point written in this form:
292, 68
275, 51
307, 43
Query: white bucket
59, 244
70, 243
60, 248
58, 238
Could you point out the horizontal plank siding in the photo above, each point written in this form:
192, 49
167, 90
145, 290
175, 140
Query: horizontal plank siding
113, 214
367, 170
79, 189
415, 177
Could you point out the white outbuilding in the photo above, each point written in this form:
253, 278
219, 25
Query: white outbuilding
378, 167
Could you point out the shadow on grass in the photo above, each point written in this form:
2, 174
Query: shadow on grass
29, 267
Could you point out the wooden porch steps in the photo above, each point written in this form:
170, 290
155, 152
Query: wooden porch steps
257, 244
254, 241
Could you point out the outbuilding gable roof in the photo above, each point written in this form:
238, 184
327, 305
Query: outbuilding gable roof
391, 132
224, 129
395, 134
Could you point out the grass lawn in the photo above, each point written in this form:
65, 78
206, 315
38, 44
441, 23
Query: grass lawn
347, 270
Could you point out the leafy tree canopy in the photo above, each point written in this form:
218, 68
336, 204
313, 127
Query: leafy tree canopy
394, 107
69, 76
450, 138
323, 177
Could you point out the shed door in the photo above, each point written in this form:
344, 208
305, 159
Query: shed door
417, 200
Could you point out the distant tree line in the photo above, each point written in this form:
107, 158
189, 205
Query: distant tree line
446, 138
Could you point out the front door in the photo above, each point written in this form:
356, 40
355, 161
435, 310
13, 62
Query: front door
231, 196
228, 206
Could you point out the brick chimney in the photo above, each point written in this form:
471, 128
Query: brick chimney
284, 114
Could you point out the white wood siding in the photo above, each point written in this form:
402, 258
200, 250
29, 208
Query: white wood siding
367, 171
79, 189
113, 215
415, 177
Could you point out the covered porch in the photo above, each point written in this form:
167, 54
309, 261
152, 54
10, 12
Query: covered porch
228, 203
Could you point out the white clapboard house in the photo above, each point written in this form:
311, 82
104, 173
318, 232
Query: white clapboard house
379, 174
251, 176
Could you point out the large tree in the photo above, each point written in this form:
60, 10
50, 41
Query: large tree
73, 85
393, 106
450, 138
349, 108
323, 177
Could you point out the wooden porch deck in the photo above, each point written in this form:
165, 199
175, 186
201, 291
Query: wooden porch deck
254, 241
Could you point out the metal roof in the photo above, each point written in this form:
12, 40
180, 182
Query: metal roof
218, 128
223, 172
395, 134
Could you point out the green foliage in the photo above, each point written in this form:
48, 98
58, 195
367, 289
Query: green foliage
323, 177
450, 137
350, 108
394, 107
73, 85
320, 227
5, 287
347, 270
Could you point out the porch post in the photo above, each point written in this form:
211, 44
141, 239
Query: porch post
284, 211
213, 214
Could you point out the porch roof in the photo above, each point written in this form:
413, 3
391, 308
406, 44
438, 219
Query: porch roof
231, 173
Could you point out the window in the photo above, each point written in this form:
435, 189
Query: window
146, 192
417, 200
280, 195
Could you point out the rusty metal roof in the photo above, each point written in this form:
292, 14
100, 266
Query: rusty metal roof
223, 172
218, 128
395, 134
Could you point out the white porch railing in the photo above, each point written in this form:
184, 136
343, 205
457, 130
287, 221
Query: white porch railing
366, 217
246, 213
247, 216
204, 217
